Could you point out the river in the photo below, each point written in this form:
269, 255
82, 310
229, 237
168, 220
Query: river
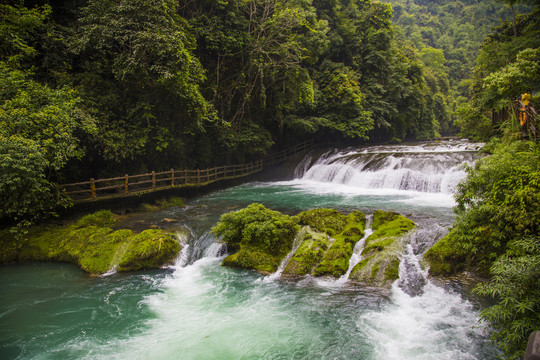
197, 309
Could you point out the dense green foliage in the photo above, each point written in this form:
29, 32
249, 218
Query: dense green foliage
123, 87
497, 225
516, 284
496, 234
496, 231
507, 66
258, 226
258, 237
40, 126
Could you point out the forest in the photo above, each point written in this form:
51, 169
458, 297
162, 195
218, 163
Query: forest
96, 88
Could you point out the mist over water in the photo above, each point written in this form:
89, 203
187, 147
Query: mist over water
197, 309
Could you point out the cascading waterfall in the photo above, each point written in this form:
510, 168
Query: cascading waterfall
296, 243
183, 258
197, 247
199, 309
357, 251
429, 169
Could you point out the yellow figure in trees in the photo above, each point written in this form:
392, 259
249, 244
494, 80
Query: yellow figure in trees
525, 100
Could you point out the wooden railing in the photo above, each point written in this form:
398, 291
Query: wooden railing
287, 153
143, 183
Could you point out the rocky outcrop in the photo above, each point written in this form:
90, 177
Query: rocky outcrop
327, 244
382, 250
445, 259
93, 245
260, 239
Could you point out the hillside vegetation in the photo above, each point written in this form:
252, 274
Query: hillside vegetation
100, 88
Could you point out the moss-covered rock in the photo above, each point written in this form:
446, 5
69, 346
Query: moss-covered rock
381, 254
260, 237
444, 258
335, 260
327, 244
309, 253
93, 245
329, 221
162, 204
253, 258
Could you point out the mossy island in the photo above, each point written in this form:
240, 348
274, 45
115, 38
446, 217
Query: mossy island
319, 242
92, 244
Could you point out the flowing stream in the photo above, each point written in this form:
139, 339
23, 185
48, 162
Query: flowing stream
197, 309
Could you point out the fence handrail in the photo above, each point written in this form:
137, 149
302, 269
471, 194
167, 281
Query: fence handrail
174, 178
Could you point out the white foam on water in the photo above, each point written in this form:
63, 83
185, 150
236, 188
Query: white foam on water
356, 256
437, 324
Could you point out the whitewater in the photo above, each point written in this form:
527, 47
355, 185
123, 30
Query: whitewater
198, 309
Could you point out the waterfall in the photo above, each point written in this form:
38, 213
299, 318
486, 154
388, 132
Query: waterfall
423, 168
296, 244
356, 256
412, 277
198, 247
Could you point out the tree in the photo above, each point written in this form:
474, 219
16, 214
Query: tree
40, 126
497, 227
136, 66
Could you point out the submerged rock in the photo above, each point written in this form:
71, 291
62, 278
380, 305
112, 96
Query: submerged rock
93, 245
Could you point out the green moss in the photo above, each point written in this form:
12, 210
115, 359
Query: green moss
378, 245
162, 204
262, 237
308, 254
444, 258
387, 226
380, 266
392, 271
252, 258
148, 249
389, 223
335, 261
99, 218
173, 201
95, 247
329, 221
374, 270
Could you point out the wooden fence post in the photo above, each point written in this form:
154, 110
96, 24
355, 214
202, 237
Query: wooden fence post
92, 188
198, 176
126, 190
153, 179
172, 177
185, 177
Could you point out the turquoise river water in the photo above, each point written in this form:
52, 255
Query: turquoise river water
197, 309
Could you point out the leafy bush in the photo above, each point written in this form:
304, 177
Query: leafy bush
257, 226
497, 227
516, 285
499, 201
